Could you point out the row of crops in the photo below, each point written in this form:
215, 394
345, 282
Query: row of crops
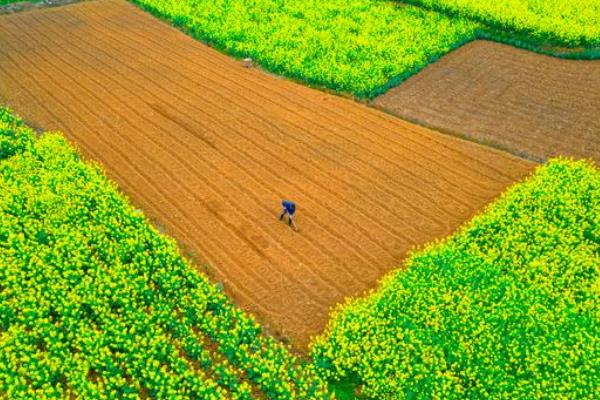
509, 307
560, 22
96, 304
364, 47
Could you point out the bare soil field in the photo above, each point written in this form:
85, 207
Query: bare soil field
529, 104
208, 148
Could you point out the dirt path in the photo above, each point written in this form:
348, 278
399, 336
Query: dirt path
531, 105
209, 149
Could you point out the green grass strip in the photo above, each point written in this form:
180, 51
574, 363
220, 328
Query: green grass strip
7, 2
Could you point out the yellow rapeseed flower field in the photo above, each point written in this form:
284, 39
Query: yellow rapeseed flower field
507, 308
96, 304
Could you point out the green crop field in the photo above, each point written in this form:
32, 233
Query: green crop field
561, 22
96, 304
362, 47
507, 308
15, 138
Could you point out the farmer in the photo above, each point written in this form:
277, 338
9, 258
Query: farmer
289, 208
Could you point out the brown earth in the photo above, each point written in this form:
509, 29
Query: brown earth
208, 149
529, 104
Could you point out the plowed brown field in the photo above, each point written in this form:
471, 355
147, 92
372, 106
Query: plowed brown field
532, 105
209, 149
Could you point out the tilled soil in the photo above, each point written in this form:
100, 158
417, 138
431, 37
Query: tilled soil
208, 148
529, 104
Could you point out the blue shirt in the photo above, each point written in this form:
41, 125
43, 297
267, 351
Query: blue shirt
289, 206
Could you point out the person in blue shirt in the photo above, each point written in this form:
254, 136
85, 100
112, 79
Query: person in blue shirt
289, 208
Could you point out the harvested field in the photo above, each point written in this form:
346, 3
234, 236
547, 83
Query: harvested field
208, 149
532, 105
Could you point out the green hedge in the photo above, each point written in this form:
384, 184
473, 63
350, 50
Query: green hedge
506, 308
96, 304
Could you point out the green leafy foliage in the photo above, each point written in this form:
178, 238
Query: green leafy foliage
561, 22
15, 136
96, 304
362, 47
6, 2
506, 308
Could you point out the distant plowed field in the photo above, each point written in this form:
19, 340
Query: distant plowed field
533, 105
208, 149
